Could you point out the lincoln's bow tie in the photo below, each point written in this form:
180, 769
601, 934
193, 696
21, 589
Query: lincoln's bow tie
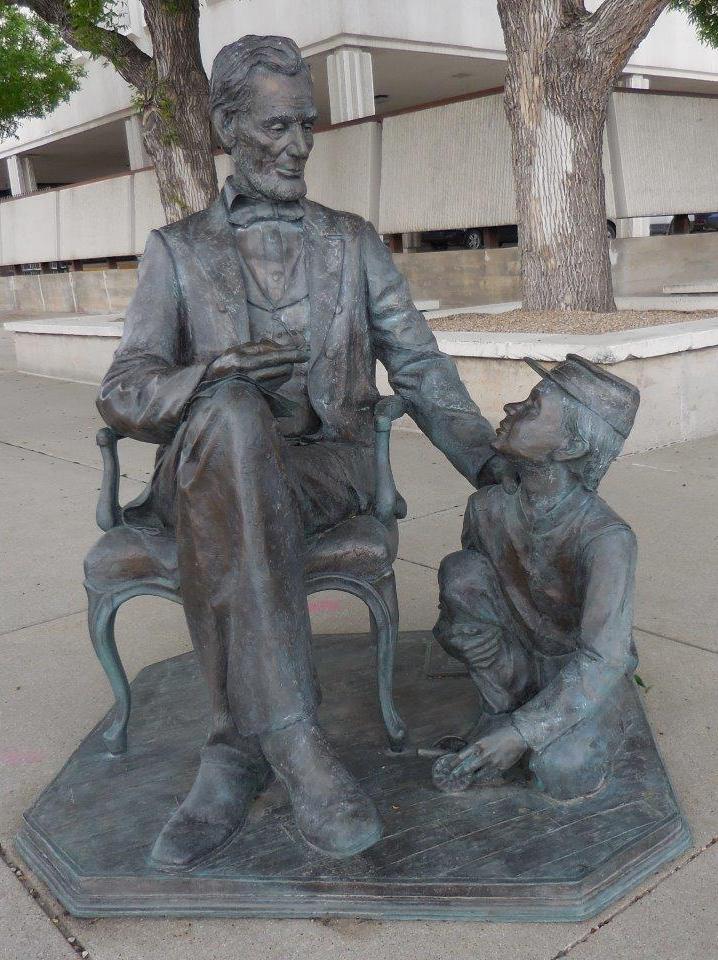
246, 211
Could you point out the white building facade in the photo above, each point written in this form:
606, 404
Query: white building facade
76, 186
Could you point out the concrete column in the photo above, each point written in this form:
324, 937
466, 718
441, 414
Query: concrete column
351, 84
22, 176
135, 146
635, 226
411, 242
636, 81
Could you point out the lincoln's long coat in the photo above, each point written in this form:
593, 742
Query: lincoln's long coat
191, 306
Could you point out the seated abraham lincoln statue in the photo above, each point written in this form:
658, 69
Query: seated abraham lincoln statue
539, 603
249, 356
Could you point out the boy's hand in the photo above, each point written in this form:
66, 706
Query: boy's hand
498, 750
478, 643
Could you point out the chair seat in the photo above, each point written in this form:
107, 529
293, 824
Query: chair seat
361, 547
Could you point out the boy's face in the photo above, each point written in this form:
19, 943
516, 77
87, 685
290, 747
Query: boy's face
534, 428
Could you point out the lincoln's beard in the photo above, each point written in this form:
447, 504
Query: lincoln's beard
266, 183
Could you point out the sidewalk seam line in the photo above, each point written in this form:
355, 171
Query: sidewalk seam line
683, 643
433, 513
45, 904
54, 456
415, 563
39, 623
639, 896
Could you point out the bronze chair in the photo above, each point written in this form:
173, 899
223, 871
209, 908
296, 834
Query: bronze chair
356, 557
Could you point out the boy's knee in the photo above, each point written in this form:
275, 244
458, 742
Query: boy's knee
464, 577
578, 763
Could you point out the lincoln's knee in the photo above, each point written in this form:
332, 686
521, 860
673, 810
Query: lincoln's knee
234, 408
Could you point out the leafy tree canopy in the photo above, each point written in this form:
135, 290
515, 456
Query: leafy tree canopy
704, 15
97, 26
37, 71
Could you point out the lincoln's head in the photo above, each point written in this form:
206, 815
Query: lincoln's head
263, 112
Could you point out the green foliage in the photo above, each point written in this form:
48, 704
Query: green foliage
36, 68
91, 20
704, 16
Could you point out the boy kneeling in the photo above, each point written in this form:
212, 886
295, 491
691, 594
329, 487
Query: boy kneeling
539, 603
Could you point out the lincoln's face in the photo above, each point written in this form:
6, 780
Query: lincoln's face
273, 134
534, 429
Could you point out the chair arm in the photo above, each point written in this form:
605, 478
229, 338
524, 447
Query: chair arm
388, 504
108, 513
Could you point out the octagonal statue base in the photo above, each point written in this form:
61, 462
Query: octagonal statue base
492, 853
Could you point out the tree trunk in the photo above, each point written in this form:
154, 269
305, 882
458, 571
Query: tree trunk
556, 105
175, 109
172, 88
562, 65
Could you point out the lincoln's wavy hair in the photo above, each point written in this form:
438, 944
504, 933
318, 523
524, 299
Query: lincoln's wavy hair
234, 63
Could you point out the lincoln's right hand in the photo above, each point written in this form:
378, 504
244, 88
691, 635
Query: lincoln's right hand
266, 361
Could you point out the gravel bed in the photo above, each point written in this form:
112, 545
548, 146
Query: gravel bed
558, 321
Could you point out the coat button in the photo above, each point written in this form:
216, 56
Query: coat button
340, 309
222, 308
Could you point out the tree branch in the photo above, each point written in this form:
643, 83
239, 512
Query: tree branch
130, 62
616, 29
573, 9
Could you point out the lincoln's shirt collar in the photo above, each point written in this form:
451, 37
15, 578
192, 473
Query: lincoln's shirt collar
244, 211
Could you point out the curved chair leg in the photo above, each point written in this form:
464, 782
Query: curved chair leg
102, 609
385, 627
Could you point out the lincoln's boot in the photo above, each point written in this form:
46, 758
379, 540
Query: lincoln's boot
214, 810
332, 812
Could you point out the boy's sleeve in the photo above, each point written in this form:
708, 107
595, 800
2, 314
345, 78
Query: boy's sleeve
606, 653
477, 507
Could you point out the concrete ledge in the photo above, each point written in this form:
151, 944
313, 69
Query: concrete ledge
69, 348
604, 348
103, 325
674, 366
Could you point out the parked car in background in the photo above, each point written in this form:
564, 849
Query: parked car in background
705, 222
472, 238
682, 223
475, 238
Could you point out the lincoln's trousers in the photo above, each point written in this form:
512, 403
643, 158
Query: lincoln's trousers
242, 500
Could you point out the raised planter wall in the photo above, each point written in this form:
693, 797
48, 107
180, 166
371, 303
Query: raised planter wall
675, 366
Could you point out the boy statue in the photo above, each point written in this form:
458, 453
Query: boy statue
539, 602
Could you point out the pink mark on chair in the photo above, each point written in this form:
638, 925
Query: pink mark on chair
325, 605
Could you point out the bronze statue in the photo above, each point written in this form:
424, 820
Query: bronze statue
249, 355
539, 602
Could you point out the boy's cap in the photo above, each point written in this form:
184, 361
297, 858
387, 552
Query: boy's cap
609, 397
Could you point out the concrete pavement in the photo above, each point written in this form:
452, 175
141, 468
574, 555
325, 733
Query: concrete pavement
52, 691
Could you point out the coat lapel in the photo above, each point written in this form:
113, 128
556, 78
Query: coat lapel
216, 250
324, 260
